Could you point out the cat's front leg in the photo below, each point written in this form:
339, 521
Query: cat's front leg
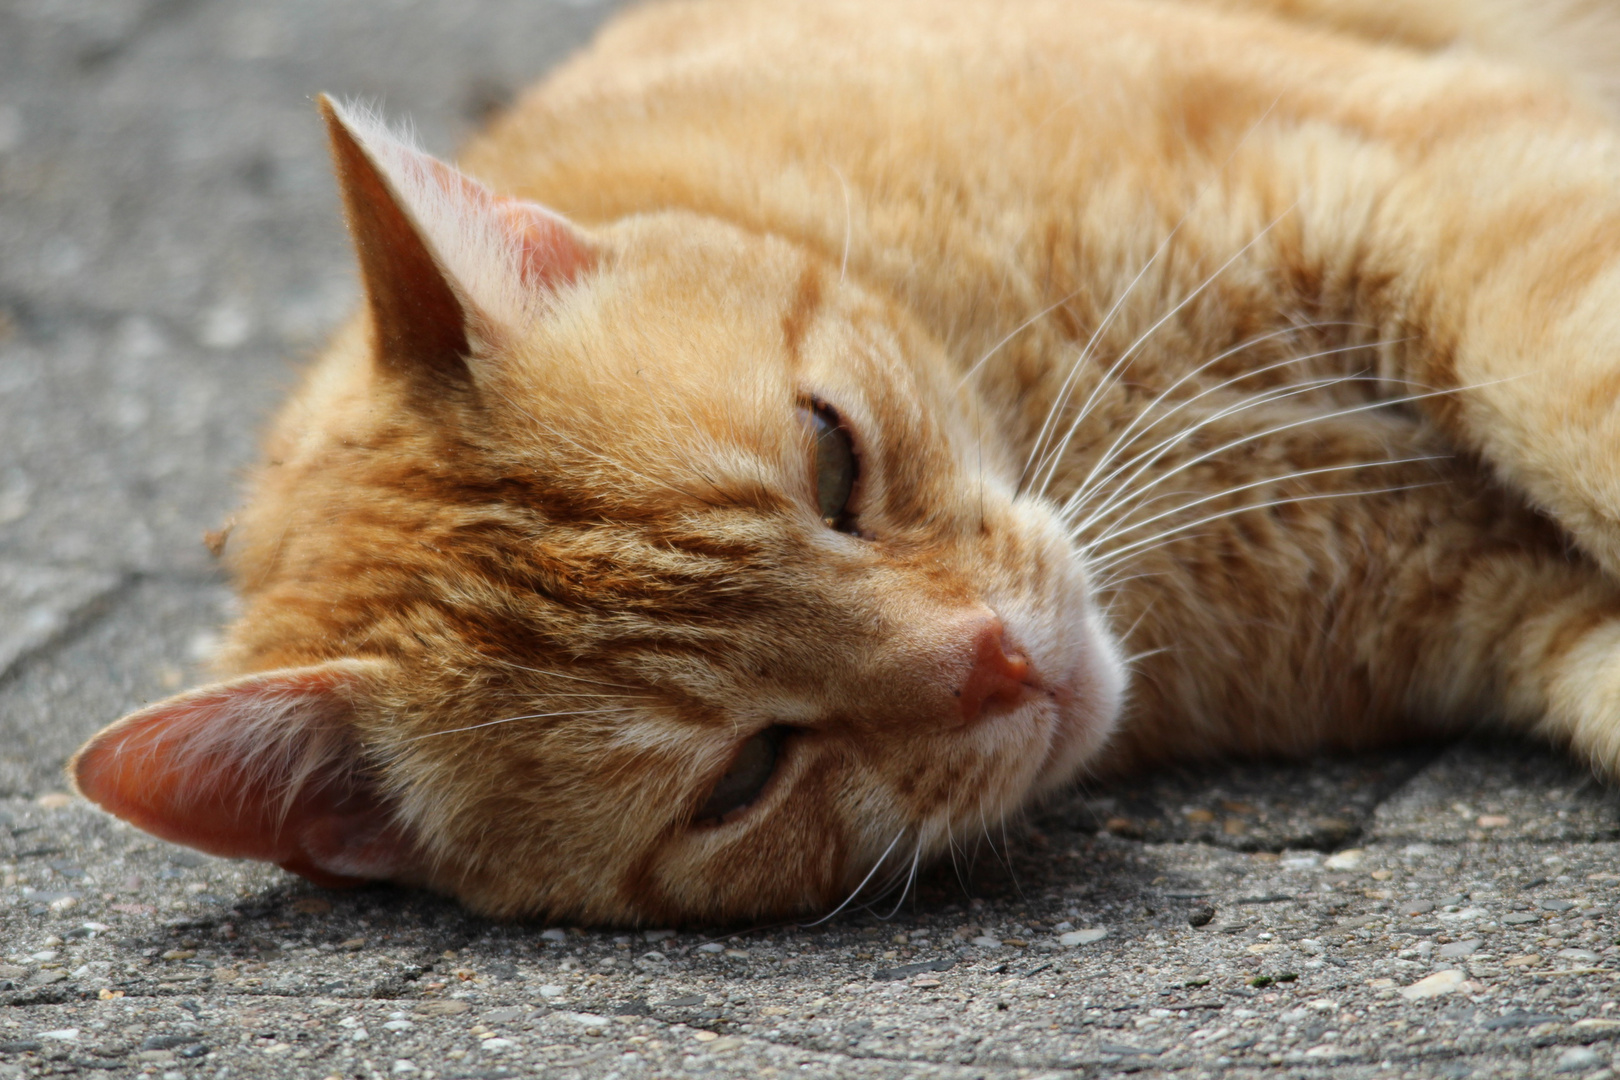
1503, 252
1368, 618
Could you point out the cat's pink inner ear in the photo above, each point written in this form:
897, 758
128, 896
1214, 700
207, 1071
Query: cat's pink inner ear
439, 252
262, 767
553, 252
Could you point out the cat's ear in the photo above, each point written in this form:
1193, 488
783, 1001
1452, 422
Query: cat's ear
448, 265
261, 767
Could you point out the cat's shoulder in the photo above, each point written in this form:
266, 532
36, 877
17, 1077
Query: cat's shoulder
1577, 40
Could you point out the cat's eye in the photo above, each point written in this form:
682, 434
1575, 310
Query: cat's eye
747, 776
836, 467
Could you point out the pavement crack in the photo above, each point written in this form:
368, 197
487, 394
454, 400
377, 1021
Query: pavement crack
60, 630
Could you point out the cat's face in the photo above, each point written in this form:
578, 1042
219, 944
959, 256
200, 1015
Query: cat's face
699, 590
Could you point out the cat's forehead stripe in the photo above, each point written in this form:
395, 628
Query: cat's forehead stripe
801, 311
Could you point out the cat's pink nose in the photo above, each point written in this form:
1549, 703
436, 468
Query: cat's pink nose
999, 674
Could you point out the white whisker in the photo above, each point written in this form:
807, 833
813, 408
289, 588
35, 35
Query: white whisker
905, 890
1130, 351
1122, 442
1114, 581
875, 867
1121, 491
1135, 494
1126, 636
513, 719
559, 674
1113, 557
1123, 528
1062, 397
849, 223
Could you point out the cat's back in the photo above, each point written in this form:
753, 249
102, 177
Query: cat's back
930, 146
953, 125
661, 45
743, 107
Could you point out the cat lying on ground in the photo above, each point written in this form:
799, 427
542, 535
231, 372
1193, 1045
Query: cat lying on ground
798, 436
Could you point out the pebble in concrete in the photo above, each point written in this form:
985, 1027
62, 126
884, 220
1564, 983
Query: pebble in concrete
1441, 982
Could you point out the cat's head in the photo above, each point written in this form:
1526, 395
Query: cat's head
645, 574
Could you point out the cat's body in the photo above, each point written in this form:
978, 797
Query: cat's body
1290, 330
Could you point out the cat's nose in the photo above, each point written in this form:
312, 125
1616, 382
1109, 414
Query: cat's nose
999, 674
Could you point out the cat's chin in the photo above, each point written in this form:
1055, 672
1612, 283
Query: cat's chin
1089, 698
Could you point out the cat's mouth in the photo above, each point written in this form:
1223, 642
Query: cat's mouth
1088, 700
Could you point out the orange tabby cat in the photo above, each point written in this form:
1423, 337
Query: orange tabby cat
805, 433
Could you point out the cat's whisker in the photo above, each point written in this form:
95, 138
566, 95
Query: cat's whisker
1114, 581
1270, 396
1040, 459
911, 878
1012, 872
1065, 391
1124, 490
893, 880
559, 674
1121, 491
1123, 523
1003, 857
1149, 501
581, 694
1061, 399
950, 846
1134, 494
849, 222
1125, 440
1127, 527
1126, 636
1048, 309
1169, 535
527, 716
1043, 313
1141, 461
1225, 354
857, 891
984, 827
1184, 538
1142, 339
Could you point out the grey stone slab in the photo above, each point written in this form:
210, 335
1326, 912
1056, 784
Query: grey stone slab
40, 603
162, 156
152, 642
138, 947
1520, 791
123, 443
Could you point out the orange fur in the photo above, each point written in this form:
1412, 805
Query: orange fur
1224, 378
